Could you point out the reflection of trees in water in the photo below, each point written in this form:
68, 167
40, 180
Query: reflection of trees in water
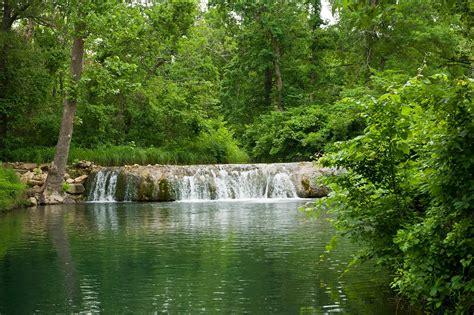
59, 237
182, 257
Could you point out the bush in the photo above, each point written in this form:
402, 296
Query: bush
299, 133
408, 190
11, 190
215, 144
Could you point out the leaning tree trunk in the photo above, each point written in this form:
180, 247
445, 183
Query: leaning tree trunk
56, 173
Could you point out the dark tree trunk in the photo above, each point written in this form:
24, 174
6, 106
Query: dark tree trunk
370, 39
56, 173
7, 18
267, 87
278, 78
315, 25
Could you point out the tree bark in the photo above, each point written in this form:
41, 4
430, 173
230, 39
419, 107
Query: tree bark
56, 173
278, 78
315, 23
267, 87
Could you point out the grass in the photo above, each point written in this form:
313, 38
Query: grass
11, 189
121, 155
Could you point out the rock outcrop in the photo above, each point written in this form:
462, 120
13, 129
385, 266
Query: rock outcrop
34, 176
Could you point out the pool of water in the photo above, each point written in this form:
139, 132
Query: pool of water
215, 257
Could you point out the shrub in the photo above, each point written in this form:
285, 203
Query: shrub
11, 190
299, 133
408, 190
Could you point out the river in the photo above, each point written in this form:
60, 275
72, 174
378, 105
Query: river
258, 257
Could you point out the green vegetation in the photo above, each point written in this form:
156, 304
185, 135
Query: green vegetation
11, 190
122, 155
408, 193
268, 81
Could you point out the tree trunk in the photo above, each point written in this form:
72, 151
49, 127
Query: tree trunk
56, 173
278, 79
315, 23
267, 87
370, 39
7, 20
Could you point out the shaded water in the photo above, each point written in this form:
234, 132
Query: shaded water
239, 257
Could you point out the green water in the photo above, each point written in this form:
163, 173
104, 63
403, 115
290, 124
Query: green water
234, 257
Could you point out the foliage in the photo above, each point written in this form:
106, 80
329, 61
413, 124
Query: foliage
65, 187
169, 82
11, 190
407, 191
300, 133
216, 145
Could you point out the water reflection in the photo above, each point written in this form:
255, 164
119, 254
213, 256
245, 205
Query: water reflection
179, 257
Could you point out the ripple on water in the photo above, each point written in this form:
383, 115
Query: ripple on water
207, 257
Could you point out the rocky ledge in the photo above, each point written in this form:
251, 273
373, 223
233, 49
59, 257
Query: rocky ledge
206, 182
84, 180
34, 176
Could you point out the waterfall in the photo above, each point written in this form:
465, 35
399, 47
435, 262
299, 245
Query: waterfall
103, 187
197, 182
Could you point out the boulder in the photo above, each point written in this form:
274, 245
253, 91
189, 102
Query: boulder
28, 166
70, 181
35, 182
40, 176
27, 177
80, 179
32, 202
52, 198
75, 189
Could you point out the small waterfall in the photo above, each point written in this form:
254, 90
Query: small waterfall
204, 182
103, 187
222, 183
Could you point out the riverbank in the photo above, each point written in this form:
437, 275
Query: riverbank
26, 182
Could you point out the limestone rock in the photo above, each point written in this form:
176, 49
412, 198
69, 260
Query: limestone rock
75, 189
52, 198
70, 181
28, 176
40, 177
32, 202
35, 182
80, 179
29, 166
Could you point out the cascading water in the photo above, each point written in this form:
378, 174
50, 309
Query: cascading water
199, 182
219, 183
103, 186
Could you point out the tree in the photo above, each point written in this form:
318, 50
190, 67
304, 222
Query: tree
407, 193
57, 170
11, 11
78, 15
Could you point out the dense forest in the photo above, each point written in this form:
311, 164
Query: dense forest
382, 90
